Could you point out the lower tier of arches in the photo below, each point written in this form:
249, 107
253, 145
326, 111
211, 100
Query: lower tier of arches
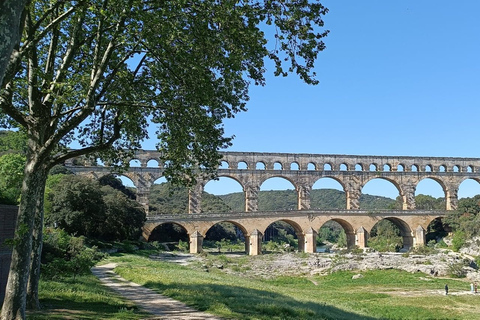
412, 227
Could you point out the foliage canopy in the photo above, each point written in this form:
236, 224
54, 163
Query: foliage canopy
81, 206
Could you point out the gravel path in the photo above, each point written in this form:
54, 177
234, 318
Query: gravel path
159, 306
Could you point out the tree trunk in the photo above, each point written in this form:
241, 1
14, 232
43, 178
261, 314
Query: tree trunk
37, 244
10, 16
15, 294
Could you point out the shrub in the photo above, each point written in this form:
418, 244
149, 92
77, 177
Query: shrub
456, 270
65, 255
428, 249
182, 246
458, 240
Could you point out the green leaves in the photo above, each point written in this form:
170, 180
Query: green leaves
95, 72
81, 206
11, 177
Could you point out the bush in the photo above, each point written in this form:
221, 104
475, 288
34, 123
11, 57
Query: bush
183, 246
428, 249
458, 240
65, 255
456, 270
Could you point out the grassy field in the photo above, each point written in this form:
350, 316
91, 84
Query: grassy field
388, 294
82, 298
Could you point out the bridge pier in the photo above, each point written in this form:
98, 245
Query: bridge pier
310, 242
350, 239
255, 243
408, 241
420, 237
196, 242
247, 244
361, 238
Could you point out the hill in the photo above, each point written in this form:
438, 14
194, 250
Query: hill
320, 199
167, 200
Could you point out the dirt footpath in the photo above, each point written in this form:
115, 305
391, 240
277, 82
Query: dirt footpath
159, 306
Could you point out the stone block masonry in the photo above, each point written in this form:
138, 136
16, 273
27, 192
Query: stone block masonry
8, 218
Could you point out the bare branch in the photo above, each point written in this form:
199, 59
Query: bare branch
61, 158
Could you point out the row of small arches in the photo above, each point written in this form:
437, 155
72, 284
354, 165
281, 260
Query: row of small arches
294, 166
242, 165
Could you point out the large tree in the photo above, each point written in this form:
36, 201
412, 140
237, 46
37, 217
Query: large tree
97, 72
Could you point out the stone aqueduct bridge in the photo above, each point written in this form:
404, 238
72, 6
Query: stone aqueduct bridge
251, 169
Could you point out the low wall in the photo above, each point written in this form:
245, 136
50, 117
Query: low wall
8, 218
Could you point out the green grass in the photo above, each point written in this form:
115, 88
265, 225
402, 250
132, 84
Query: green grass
387, 294
82, 298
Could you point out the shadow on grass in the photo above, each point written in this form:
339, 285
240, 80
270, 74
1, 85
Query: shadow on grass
83, 298
233, 302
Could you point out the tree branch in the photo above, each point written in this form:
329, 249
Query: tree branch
61, 158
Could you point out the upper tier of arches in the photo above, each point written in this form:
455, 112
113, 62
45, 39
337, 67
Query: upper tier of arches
251, 169
317, 162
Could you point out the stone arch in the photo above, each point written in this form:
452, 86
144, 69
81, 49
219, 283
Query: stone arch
297, 230
328, 182
128, 179
239, 228
347, 228
294, 166
135, 163
225, 184
278, 183
435, 230
153, 163
277, 165
358, 167
242, 165
157, 232
439, 181
260, 165
224, 165
311, 166
405, 231
373, 183
468, 187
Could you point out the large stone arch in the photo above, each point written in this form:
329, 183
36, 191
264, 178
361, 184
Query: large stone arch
405, 230
394, 182
263, 179
228, 175
332, 177
241, 227
296, 227
326, 178
443, 184
150, 228
465, 180
347, 228
291, 182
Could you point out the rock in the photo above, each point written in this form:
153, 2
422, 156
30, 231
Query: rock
357, 276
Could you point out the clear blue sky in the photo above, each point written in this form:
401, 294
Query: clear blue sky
397, 78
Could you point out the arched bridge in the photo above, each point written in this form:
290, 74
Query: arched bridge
356, 223
251, 169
